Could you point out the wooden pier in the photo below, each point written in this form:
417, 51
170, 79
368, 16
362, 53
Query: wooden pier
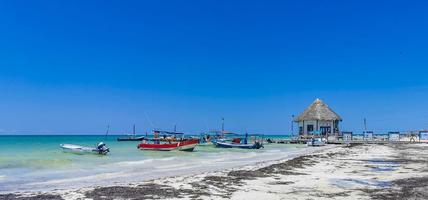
288, 141
341, 142
373, 142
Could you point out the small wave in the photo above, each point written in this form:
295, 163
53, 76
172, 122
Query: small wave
146, 161
79, 179
175, 166
167, 159
248, 155
131, 163
36, 163
273, 151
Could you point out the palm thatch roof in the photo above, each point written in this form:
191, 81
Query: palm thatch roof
318, 110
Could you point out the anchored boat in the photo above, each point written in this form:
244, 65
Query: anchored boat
249, 141
132, 137
168, 141
256, 145
212, 136
100, 149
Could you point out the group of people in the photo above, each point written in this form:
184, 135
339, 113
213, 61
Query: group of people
164, 138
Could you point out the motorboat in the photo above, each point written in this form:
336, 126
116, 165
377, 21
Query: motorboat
168, 142
256, 145
208, 137
248, 141
212, 137
132, 137
100, 149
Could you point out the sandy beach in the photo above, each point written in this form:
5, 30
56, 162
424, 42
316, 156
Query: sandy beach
213, 100
334, 172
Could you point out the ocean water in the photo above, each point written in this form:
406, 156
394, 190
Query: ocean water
36, 163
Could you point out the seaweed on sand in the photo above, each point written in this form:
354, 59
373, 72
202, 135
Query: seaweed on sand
289, 167
146, 191
411, 188
36, 197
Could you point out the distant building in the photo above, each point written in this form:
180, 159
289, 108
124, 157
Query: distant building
319, 119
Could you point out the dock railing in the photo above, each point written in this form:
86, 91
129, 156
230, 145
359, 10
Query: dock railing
371, 137
347, 137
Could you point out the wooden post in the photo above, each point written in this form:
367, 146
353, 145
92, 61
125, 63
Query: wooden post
303, 128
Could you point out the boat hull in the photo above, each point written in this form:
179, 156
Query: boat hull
76, 149
187, 145
130, 139
240, 146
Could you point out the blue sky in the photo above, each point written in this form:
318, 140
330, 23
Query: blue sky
74, 67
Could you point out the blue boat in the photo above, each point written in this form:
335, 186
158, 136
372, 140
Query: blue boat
241, 142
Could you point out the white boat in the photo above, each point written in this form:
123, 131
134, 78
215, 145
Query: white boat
315, 142
101, 149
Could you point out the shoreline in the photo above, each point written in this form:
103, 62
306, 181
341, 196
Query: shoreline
334, 172
122, 167
120, 182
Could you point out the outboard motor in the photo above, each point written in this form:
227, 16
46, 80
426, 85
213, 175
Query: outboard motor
258, 145
102, 148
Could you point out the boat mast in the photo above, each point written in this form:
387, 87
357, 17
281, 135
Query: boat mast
108, 129
222, 125
134, 130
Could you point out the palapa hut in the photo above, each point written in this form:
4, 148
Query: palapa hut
318, 118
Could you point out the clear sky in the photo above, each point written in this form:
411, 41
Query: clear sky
76, 66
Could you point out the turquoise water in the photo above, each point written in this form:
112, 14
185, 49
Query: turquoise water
37, 162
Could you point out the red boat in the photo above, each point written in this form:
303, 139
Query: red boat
168, 142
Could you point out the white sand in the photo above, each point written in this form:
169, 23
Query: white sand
333, 172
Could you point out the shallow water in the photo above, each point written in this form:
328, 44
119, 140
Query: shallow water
29, 163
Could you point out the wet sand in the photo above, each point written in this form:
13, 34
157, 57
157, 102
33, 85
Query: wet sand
358, 172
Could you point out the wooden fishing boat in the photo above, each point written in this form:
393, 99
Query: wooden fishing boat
169, 142
211, 137
241, 142
256, 145
132, 137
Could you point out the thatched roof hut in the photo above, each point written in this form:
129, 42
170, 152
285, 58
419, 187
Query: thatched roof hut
318, 110
318, 118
